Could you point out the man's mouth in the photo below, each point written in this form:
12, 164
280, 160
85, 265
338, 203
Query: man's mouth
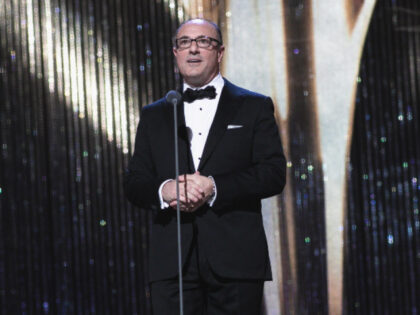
193, 61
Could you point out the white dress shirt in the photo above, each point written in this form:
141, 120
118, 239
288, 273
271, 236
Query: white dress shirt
199, 116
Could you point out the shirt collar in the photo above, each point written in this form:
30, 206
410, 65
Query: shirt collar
217, 82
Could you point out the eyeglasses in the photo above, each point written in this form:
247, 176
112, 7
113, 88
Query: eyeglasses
201, 41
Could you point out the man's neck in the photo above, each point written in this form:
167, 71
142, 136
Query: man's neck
188, 85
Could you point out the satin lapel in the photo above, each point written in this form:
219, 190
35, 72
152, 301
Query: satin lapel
228, 105
186, 164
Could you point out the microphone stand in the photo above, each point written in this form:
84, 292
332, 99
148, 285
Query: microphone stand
174, 101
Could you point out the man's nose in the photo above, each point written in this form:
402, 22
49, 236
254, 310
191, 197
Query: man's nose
194, 47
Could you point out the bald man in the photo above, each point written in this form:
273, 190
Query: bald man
230, 157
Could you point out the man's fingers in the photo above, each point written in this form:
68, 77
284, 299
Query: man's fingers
186, 206
191, 187
192, 184
193, 193
196, 192
190, 179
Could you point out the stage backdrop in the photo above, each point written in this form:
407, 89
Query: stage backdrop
345, 76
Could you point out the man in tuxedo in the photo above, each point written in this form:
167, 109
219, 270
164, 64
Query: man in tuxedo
230, 157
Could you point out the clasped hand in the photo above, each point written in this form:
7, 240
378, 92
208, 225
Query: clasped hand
194, 191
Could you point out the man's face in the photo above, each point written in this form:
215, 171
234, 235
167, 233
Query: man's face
197, 65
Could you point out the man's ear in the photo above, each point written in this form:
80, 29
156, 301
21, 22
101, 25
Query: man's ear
220, 53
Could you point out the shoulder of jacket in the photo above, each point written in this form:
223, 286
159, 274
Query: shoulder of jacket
242, 92
159, 104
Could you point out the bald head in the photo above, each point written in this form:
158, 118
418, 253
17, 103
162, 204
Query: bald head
202, 21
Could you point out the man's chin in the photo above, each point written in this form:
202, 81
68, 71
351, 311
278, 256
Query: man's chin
194, 81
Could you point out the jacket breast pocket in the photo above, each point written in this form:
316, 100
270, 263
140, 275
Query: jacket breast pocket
237, 143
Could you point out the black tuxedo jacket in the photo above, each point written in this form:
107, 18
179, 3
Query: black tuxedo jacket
244, 155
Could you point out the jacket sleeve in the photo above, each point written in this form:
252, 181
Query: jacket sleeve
266, 174
140, 183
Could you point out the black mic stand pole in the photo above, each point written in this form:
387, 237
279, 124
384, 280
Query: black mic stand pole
174, 100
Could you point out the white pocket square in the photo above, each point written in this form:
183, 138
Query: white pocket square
234, 126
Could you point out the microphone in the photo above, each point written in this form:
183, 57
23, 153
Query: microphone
185, 133
173, 97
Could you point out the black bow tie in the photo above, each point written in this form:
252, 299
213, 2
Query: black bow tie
192, 95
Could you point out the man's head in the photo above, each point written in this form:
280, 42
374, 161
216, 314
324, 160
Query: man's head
198, 50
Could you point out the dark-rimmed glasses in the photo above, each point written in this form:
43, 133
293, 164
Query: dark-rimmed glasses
201, 41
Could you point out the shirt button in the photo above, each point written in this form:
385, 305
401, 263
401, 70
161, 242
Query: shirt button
199, 158
199, 133
201, 108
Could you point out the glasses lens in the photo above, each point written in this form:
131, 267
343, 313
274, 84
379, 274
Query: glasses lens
184, 42
203, 42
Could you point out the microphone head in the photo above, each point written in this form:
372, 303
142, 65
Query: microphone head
173, 97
